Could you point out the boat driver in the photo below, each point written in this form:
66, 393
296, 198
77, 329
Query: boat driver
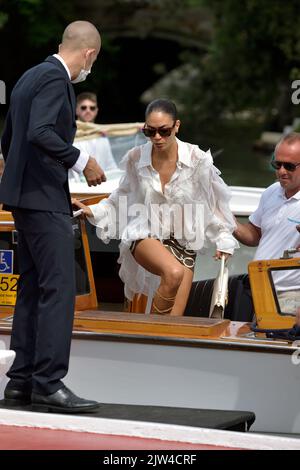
272, 226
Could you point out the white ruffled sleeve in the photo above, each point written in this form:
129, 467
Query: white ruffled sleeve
106, 212
220, 222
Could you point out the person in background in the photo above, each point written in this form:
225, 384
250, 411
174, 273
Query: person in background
87, 111
86, 107
37, 149
272, 226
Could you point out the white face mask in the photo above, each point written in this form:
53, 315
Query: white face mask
82, 76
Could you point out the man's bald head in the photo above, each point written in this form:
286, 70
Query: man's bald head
80, 35
81, 43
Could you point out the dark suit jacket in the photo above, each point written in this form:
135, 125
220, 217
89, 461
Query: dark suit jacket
37, 140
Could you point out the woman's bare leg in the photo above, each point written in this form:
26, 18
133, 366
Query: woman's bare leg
154, 257
183, 293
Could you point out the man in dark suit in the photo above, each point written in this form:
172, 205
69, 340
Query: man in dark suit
38, 151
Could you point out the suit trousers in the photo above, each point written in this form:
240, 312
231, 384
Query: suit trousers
44, 312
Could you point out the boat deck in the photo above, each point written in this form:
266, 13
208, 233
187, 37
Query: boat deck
187, 331
230, 420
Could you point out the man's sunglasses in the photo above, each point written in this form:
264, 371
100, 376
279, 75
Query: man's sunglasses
91, 108
288, 166
163, 131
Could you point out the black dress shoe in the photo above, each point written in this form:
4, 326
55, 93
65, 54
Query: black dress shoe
16, 397
62, 401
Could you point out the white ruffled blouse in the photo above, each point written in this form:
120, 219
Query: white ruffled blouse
196, 194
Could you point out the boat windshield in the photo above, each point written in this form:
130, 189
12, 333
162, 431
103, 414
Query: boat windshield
107, 143
285, 284
121, 144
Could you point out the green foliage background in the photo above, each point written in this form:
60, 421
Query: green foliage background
247, 62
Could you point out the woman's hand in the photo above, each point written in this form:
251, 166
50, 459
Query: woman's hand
85, 209
218, 255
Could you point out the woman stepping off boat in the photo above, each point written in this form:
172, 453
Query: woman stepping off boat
170, 202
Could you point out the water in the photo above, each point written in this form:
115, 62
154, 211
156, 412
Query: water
239, 163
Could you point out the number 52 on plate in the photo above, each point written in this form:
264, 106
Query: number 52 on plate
8, 289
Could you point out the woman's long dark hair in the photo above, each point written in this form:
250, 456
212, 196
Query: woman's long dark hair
163, 105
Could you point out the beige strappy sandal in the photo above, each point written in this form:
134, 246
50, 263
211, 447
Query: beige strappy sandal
165, 311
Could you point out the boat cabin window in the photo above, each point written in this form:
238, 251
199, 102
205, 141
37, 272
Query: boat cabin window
287, 295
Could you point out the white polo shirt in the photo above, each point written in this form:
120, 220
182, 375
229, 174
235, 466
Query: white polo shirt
277, 218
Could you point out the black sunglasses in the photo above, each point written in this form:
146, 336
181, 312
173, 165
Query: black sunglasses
84, 107
288, 166
163, 131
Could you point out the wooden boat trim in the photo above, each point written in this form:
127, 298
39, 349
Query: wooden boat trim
84, 301
229, 341
266, 306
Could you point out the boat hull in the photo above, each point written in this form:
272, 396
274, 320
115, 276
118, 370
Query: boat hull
187, 373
